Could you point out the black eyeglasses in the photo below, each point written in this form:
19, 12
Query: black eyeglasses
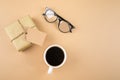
63, 25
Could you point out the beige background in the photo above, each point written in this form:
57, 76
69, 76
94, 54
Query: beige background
93, 48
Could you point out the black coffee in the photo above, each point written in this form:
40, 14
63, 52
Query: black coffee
54, 56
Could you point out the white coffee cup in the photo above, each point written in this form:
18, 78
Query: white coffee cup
57, 53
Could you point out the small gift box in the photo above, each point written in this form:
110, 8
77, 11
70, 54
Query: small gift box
17, 32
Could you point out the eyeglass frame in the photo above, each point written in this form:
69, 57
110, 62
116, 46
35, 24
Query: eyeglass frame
59, 18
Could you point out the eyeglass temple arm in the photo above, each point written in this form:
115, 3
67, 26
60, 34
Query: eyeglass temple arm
65, 20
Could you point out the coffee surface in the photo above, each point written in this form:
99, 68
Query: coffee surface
55, 56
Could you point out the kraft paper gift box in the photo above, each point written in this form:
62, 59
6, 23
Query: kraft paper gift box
17, 32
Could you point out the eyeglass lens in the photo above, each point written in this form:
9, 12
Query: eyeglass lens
50, 17
64, 27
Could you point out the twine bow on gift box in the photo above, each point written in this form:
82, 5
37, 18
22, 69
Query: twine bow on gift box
25, 32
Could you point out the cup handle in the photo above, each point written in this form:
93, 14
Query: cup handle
50, 70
